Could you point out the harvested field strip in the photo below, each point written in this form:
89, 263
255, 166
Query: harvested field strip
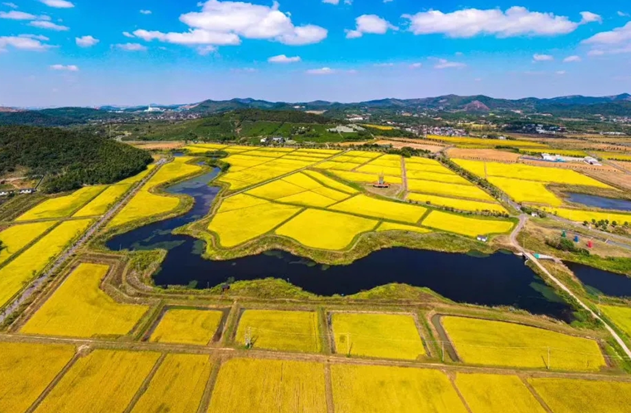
584, 215
251, 385
31, 262
498, 343
490, 393
104, 381
390, 226
326, 230
394, 211
377, 389
102, 203
187, 326
572, 396
471, 227
449, 190
26, 370
177, 386
366, 178
526, 191
17, 237
437, 177
62, 207
331, 183
459, 204
280, 330
79, 308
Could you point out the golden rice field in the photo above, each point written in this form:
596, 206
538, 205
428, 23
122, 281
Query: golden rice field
347, 158
299, 189
372, 207
280, 330
486, 142
459, 204
17, 237
104, 381
187, 326
378, 170
378, 389
621, 317
391, 226
437, 177
22, 269
493, 393
177, 386
551, 151
468, 226
585, 215
331, 183
526, 191
255, 174
366, 178
325, 230
26, 370
362, 154
247, 385
411, 164
338, 166
584, 396
389, 336
102, 203
79, 308
240, 201
450, 190
380, 127
498, 343
614, 156
62, 207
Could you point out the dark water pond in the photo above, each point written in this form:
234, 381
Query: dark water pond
600, 202
601, 282
499, 279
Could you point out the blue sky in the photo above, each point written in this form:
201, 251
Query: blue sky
91, 53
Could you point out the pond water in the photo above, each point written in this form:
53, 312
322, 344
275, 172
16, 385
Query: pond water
499, 279
601, 282
600, 202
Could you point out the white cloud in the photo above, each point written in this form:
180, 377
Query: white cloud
446, 64
334, 2
48, 25
383, 64
69, 68
571, 59
24, 42
131, 47
589, 17
58, 4
616, 36
145, 12
516, 21
623, 14
127, 34
86, 41
610, 51
388, 1
542, 57
322, 71
16, 15
283, 59
416, 65
193, 37
12, 5
205, 50
596, 52
244, 70
561, 72
36, 37
369, 24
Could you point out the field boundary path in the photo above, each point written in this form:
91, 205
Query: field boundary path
72, 249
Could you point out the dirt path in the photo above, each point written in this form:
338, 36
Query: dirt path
404, 176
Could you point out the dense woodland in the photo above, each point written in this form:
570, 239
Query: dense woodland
68, 159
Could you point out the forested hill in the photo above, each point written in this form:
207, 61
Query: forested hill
68, 159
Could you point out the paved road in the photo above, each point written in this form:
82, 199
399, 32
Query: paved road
61, 260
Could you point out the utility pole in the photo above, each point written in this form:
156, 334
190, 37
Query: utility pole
548, 358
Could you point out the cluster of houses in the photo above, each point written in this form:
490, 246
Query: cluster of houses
559, 158
20, 191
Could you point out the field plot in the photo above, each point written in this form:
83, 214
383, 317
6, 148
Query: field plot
104, 381
186, 326
447, 189
437, 177
614, 156
262, 172
17, 237
79, 308
62, 207
331, 183
512, 345
326, 230
377, 335
483, 154
571, 396
107, 198
366, 178
395, 211
390, 226
177, 386
488, 143
459, 204
280, 330
526, 191
31, 262
376, 389
491, 393
581, 216
26, 370
621, 316
336, 165
471, 227
251, 385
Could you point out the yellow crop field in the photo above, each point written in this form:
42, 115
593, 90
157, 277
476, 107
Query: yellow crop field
526, 191
253, 385
260, 220
498, 343
379, 127
276, 189
328, 152
212, 146
459, 204
308, 198
551, 151
584, 215
449, 190
437, 177
104, 381
303, 158
419, 160
389, 336
186, 326
62, 207
175, 170
377, 389
177, 386
421, 167
32, 261
395, 211
138, 177
362, 154
79, 308
267, 154
237, 149
25, 371
471, 227
493, 393
326, 230
390, 226
240, 201
280, 330
261, 173
486, 142
331, 183
614, 156
621, 316
17, 237
584, 396
366, 178
107, 198
339, 166
378, 169
244, 160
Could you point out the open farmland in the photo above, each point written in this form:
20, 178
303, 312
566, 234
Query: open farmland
493, 393
362, 178
391, 226
527, 191
585, 396
469, 226
17, 237
371, 207
390, 336
62, 207
249, 385
79, 308
584, 215
280, 330
498, 343
621, 316
187, 326
485, 143
469, 191
488, 155
458, 204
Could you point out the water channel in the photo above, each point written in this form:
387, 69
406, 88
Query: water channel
601, 282
594, 201
499, 279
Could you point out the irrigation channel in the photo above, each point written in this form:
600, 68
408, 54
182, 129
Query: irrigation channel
501, 279
600, 202
601, 282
